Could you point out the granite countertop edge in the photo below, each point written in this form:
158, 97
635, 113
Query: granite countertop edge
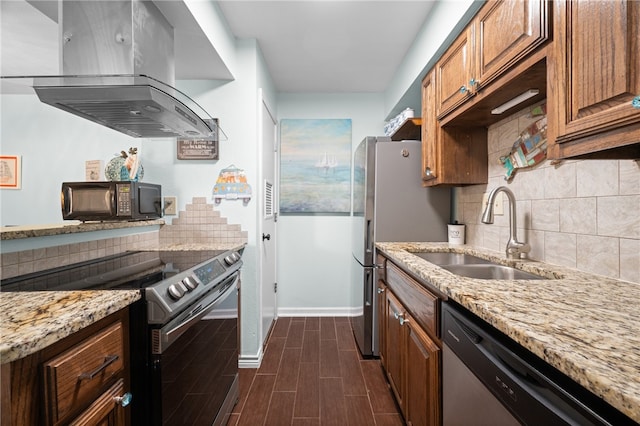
580, 323
30, 231
31, 321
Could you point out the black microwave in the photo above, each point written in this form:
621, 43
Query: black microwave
111, 201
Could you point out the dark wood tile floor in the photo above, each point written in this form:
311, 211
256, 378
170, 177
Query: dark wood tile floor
313, 374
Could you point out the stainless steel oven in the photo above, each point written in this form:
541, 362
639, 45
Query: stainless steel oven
194, 361
183, 332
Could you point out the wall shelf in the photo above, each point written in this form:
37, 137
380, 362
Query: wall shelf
409, 130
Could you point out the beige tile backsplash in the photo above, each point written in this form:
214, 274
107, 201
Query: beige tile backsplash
584, 214
198, 224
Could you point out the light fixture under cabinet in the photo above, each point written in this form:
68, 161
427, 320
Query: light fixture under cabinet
515, 101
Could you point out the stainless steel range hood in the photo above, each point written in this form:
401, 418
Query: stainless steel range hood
118, 70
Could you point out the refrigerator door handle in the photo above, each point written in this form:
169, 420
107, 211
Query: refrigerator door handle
368, 287
369, 236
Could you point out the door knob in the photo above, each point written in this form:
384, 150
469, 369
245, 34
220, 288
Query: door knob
266, 237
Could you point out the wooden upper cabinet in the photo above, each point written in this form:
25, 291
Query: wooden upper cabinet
594, 76
454, 72
452, 155
430, 157
507, 31
499, 37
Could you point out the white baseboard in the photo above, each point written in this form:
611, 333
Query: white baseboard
319, 312
251, 361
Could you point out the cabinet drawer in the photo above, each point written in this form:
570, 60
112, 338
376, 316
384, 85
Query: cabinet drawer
80, 374
421, 304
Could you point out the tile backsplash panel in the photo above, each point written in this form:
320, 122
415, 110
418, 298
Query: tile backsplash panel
28, 261
199, 223
584, 214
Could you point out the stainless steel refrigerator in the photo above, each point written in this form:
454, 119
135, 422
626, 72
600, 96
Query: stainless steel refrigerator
388, 204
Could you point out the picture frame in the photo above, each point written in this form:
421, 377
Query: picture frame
200, 149
10, 171
315, 167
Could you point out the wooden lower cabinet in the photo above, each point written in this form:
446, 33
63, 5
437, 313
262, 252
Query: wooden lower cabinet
423, 379
411, 356
395, 350
104, 411
75, 381
382, 324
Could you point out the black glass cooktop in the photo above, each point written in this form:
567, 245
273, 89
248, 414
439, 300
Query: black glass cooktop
128, 270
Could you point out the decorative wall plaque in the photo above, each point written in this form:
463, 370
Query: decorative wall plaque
200, 149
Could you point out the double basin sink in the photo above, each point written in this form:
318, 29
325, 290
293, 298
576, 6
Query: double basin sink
470, 266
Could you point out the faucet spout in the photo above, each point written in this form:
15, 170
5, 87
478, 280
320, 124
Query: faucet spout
515, 249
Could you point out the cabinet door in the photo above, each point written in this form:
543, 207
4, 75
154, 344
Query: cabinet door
104, 411
452, 155
382, 321
422, 399
506, 31
454, 73
394, 358
594, 77
430, 144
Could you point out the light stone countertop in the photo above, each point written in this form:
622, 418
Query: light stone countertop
585, 325
71, 227
31, 321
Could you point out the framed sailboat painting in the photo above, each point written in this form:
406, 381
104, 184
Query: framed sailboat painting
315, 166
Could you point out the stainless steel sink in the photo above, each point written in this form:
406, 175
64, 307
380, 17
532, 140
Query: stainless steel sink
470, 266
446, 258
489, 271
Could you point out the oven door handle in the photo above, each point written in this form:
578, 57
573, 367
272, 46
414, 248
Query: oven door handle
171, 332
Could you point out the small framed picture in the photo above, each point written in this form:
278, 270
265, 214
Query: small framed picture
200, 149
10, 171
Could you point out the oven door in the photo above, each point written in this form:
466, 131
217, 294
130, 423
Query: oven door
194, 374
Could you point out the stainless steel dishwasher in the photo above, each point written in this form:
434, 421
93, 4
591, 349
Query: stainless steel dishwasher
488, 379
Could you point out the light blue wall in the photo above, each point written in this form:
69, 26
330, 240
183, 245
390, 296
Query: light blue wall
314, 252
54, 146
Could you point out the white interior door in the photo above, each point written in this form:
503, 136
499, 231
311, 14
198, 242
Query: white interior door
268, 217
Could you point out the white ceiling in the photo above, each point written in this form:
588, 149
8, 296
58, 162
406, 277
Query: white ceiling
308, 46
329, 46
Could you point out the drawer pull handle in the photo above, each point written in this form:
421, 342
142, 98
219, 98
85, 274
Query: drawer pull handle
108, 360
123, 400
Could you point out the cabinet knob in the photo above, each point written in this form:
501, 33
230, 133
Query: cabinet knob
124, 400
403, 320
380, 290
428, 173
463, 89
473, 82
266, 237
636, 102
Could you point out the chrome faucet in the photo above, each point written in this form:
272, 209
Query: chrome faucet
515, 249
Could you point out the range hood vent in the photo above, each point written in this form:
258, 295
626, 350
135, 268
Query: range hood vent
136, 105
118, 71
